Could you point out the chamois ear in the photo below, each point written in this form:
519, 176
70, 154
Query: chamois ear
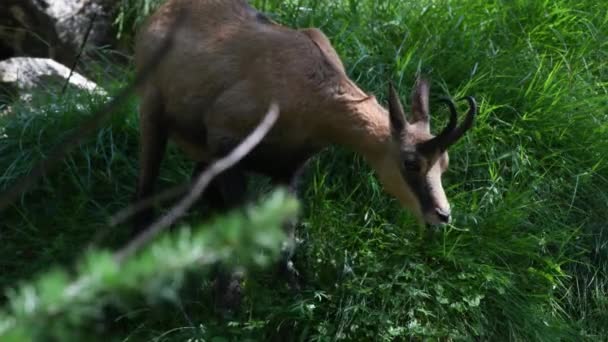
395, 110
420, 101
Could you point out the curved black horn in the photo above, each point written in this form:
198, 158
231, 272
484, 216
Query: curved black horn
468, 121
453, 116
451, 133
432, 145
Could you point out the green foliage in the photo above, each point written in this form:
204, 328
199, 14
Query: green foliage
526, 257
57, 306
131, 14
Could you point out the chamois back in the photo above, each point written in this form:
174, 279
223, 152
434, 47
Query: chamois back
229, 62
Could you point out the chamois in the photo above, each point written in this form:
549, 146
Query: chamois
229, 62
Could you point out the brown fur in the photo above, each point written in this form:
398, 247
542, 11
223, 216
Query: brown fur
226, 67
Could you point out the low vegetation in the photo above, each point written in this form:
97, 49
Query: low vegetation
526, 257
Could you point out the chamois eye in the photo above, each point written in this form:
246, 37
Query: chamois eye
411, 166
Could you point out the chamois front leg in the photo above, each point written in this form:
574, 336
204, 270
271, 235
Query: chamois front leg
227, 191
286, 266
153, 141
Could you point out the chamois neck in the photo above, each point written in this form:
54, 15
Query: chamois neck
364, 127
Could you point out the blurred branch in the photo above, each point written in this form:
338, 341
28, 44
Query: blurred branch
135, 208
58, 305
201, 183
92, 124
77, 59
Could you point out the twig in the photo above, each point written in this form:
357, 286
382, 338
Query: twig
89, 126
202, 182
82, 45
126, 213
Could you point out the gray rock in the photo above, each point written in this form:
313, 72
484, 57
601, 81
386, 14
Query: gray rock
53, 28
22, 74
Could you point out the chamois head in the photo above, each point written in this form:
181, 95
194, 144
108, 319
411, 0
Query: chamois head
412, 172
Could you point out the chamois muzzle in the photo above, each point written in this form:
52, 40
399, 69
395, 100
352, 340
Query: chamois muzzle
451, 133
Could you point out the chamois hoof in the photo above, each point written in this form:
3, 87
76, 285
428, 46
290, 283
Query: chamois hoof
228, 293
288, 271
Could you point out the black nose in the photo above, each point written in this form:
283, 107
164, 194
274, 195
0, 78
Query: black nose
443, 215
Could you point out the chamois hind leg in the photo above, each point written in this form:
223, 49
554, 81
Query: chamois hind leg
153, 141
227, 191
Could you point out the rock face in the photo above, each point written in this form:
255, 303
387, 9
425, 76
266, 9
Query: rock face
53, 28
21, 74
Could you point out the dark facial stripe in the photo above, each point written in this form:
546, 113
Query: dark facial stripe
422, 190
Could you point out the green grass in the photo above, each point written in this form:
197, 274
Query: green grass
525, 259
